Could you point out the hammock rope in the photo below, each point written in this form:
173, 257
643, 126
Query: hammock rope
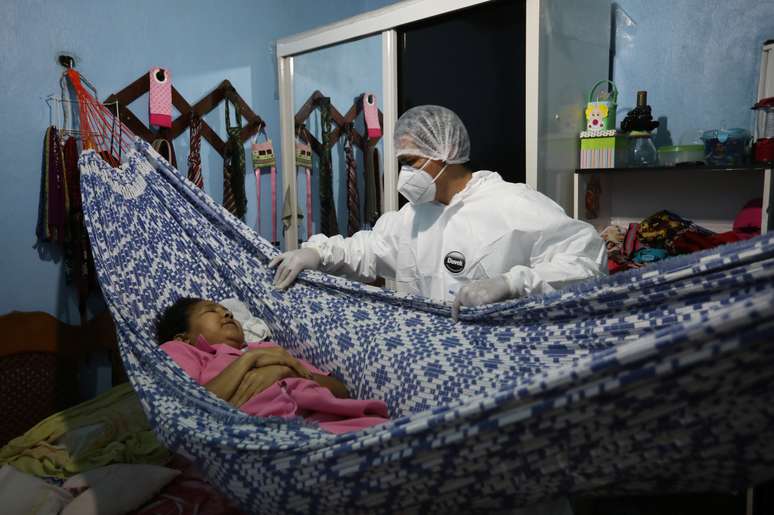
101, 129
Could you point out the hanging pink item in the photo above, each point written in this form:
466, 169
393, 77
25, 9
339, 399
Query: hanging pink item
304, 160
371, 114
308, 202
160, 98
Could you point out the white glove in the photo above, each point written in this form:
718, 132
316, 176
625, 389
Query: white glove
478, 293
290, 265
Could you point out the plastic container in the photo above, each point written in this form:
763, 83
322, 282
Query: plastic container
680, 154
726, 147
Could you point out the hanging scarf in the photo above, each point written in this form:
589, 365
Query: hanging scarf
70, 155
60, 214
353, 203
304, 161
328, 224
41, 229
194, 153
372, 185
234, 198
52, 212
79, 263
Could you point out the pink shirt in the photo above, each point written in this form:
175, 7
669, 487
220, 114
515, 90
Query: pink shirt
286, 398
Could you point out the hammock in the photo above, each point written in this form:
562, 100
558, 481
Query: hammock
657, 379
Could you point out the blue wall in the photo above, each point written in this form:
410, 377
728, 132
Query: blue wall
698, 60
201, 42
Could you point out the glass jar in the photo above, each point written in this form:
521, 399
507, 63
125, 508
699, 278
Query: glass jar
726, 147
642, 151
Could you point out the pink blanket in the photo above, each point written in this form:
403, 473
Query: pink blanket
287, 398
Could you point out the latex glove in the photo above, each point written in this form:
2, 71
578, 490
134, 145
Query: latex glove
478, 293
290, 265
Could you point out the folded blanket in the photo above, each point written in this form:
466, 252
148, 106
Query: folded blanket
111, 428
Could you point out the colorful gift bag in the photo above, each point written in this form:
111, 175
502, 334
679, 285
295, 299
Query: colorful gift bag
600, 112
303, 155
263, 154
264, 158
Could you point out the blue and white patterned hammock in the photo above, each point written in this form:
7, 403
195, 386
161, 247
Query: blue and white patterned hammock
657, 379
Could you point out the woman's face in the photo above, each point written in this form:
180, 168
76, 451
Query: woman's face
215, 323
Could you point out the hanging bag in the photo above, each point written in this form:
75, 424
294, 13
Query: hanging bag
600, 112
160, 98
371, 115
234, 198
263, 158
303, 154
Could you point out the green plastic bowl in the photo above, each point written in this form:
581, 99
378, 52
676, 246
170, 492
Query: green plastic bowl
676, 154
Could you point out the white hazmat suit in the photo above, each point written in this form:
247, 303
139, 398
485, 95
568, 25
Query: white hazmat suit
494, 240
490, 228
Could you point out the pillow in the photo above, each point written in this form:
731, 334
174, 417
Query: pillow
116, 489
254, 328
24, 493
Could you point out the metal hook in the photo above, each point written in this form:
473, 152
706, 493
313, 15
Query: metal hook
66, 60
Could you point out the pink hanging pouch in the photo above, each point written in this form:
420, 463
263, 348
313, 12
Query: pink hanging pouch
371, 114
160, 98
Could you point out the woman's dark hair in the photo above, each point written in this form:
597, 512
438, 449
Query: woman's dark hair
174, 320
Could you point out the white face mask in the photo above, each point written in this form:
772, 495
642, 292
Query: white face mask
417, 185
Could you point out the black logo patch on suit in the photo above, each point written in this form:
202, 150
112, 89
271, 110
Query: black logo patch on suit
454, 262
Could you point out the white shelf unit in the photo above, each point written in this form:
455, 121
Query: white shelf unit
710, 196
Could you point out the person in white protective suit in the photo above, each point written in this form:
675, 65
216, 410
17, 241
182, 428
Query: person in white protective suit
464, 237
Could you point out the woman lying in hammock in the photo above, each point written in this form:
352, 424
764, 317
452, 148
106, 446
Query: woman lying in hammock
260, 379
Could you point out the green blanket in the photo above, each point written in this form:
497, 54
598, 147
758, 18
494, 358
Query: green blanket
111, 428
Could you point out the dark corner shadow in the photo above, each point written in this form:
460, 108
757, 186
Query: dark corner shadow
662, 137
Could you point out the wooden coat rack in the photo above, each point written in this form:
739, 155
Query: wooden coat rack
225, 90
343, 122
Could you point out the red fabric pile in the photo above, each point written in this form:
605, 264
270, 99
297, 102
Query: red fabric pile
665, 234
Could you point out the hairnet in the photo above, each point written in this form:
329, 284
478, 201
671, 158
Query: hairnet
433, 132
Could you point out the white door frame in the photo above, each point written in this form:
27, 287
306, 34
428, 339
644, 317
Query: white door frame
384, 21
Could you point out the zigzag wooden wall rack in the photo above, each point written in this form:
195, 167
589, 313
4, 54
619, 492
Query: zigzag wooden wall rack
225, 90
343, 123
